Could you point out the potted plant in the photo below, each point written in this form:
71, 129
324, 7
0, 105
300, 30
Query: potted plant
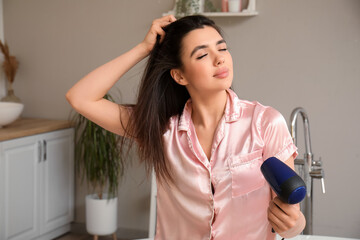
98, 160
190, 7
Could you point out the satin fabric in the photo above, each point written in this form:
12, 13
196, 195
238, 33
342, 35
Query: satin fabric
247, 134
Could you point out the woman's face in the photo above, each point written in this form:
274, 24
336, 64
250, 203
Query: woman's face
207, 64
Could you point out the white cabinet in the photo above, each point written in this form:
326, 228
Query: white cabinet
37, 185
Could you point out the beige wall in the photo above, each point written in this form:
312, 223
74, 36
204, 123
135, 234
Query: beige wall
294, 53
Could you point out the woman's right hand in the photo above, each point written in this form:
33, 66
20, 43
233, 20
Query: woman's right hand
156, 29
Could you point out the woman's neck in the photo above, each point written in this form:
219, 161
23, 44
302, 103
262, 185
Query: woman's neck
208, 110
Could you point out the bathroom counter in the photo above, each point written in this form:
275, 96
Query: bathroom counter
30, 126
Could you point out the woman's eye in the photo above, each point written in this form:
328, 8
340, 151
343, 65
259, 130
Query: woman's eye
201, 56
223, 49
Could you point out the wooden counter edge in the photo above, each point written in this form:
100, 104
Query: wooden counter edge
30, 126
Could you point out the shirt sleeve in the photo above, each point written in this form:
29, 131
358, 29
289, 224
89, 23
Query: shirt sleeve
277, 139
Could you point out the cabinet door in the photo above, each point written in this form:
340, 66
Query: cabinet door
57, 183
19, 165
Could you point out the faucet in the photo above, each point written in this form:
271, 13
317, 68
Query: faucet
307, 168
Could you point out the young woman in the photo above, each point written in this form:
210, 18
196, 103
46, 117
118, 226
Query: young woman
205, 144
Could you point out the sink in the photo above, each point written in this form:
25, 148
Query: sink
9, 112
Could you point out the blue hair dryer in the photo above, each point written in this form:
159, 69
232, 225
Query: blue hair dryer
288, 186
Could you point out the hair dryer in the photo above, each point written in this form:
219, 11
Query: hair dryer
288, 186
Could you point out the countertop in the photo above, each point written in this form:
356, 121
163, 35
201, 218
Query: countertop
31, 126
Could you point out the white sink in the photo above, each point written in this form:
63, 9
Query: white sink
9, 112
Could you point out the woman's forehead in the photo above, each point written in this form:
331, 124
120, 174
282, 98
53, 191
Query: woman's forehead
201, 36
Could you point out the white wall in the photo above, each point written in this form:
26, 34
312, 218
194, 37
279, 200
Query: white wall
302, 53
294, 53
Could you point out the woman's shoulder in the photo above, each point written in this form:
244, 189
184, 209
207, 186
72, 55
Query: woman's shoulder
251, 108
257, 107
268, 116
245, 104
172, 125
262, 114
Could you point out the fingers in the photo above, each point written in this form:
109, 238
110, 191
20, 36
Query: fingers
157, 29
159, 24
289, 209
282, 216
170, 18
277, 218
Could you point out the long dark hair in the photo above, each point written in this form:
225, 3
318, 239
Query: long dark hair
160, 97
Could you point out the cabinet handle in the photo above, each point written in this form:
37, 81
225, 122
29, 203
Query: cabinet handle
44, 150
39, 151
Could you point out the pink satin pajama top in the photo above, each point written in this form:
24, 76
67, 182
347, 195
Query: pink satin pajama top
248, 134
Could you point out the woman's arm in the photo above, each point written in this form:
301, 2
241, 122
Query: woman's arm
86, 96
286, 219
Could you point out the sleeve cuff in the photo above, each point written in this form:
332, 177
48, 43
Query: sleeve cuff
288, 151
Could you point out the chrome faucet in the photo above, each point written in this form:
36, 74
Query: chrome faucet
307, 168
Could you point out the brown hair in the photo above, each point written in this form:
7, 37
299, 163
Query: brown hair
160, 97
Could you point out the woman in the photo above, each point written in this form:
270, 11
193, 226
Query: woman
205, 144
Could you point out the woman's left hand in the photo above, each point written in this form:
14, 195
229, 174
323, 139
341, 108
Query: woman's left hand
285, 217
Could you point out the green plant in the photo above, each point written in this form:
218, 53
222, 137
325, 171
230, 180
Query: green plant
209, 7
97, 155
189, 7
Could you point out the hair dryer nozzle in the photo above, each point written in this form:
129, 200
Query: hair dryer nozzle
289, 186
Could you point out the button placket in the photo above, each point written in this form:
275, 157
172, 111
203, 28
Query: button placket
211, 196
218, 138
194, 152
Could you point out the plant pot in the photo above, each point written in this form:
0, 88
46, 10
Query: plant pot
188, 7
101, 215
195, 7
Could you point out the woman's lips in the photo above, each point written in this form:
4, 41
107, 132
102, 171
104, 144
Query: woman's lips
222, 72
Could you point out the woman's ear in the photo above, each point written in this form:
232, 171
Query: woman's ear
178, 77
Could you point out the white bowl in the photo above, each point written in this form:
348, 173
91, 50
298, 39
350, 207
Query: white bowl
9, 112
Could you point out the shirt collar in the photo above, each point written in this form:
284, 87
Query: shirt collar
233, 111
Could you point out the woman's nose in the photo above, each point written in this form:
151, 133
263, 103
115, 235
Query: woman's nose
219, 60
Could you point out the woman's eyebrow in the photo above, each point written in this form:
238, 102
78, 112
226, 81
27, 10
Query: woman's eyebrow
205, 46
